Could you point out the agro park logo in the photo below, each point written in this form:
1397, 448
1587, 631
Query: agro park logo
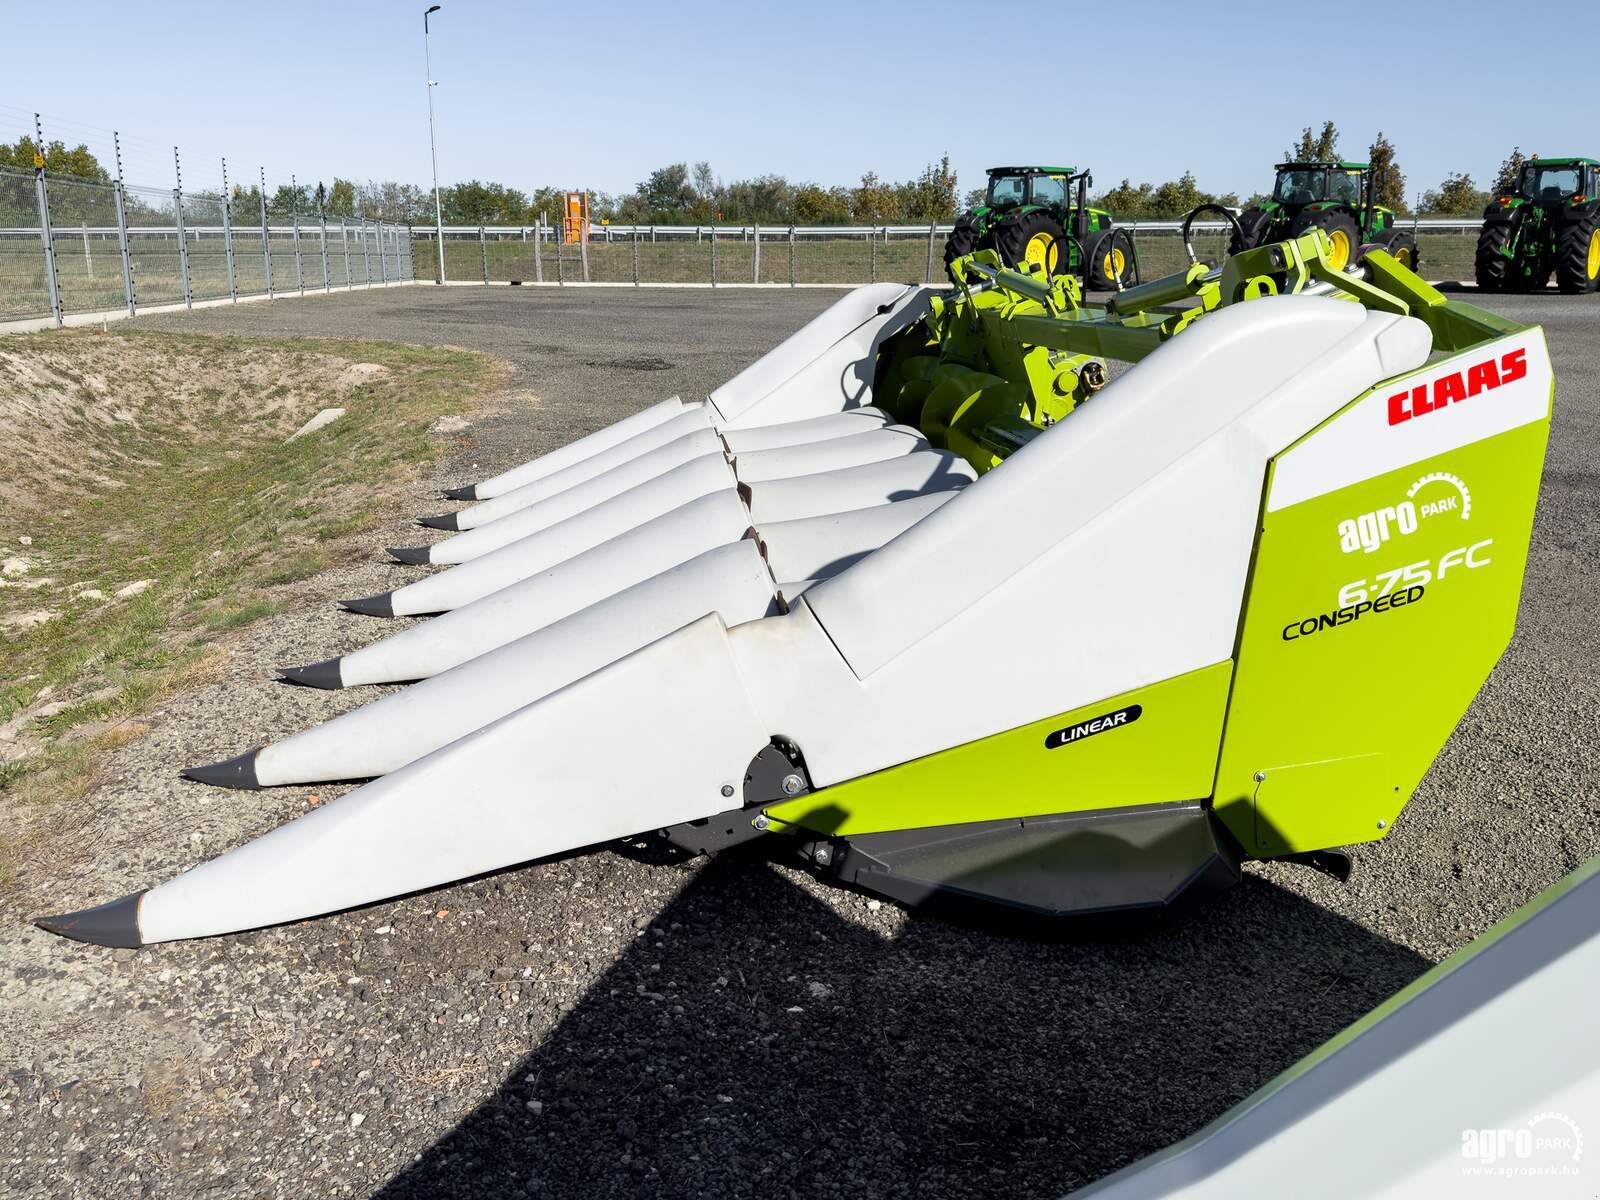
1447, 495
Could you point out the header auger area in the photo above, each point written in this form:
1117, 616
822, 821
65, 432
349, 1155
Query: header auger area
931, 593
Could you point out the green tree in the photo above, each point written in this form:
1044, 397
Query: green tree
1457, 196
58, 159
246, 203
874, 202
1318, 147
492, 203
667, 194
1389, 178
1127, 201
1510, 169
817, 205
548, 203
768, 198
931, 196
288, 200
1159, 201
341, 199
390, 200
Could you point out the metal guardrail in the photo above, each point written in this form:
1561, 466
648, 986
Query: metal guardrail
724, 229
731, 254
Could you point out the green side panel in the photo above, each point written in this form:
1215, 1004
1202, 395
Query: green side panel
1336, 715
1154, 744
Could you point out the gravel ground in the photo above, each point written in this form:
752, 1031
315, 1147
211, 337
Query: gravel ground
624, 1022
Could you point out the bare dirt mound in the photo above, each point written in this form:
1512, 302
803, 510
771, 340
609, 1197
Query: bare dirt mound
79, 407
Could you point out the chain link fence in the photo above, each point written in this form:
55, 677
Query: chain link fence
72, 246
724, 256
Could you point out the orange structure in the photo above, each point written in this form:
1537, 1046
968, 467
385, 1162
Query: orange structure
576, 223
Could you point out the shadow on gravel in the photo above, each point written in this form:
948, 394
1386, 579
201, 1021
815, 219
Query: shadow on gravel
756, 1043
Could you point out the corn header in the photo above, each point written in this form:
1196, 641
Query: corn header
986, 596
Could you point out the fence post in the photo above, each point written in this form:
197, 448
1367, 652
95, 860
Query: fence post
183, 245
411, 249
483, 250
872, 244
43, 199
383, 255
791, 256
227, 244
636, 257
713, 256
344, 244
266, 234
122, 243
88, 257
124, 249
227, 234
652, 235
583, 247
294, 233
933, 228
755, 256
322, 238
561, 259
538, 258
183, 237
366, 252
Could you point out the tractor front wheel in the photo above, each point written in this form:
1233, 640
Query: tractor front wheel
963, 240
1340, 226
1033, 240
1404, 248
1491, 268
1111, 260
1578, 256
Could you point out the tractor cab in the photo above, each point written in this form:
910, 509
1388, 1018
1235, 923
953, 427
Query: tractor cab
1299, 184
1553, 180
1011, 187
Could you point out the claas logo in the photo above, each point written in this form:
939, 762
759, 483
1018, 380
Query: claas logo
1463, 385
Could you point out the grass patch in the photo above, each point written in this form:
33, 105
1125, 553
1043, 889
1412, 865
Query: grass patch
189, 483
244, 614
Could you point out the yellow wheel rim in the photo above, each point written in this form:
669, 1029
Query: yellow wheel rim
1338, 249
1041, 253
1114, 264
1403, 256
1594, 254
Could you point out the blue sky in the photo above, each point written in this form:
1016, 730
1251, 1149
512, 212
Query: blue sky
530, 95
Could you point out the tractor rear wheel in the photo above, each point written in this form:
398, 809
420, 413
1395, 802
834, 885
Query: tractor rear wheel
1404, 248
963, 240
1491, 268
1343, 236
1578, 256
1033, 239
1254, 226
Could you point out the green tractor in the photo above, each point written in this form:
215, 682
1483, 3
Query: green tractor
1548, 222
1339, 198
1031, 217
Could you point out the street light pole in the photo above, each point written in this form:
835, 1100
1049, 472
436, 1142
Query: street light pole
433, 144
